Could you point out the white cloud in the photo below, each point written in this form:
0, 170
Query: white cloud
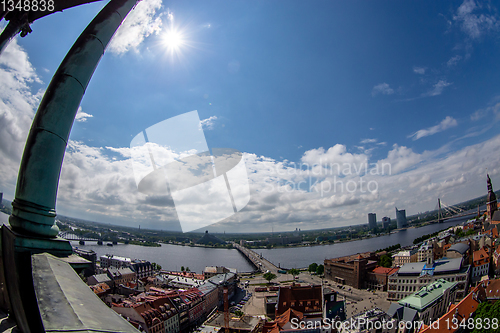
438, 88
17, 108
82, 116
382, 88
101, 179
473, 23
446, 123
208, 123
454, 60
336, 154
141, 22
419, 70
481, 113
364, 141
400, 159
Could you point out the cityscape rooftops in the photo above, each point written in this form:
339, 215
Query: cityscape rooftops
385, 270
118, 258
461, 248
427, 295
441, 266
463, 310
402, 313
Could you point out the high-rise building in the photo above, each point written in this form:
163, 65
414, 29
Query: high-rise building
401, 218
386, 221
1, 198
372, 220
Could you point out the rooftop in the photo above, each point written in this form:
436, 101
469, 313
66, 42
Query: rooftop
461, 248
441, 266
427, 295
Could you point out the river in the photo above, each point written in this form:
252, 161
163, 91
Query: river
172, 257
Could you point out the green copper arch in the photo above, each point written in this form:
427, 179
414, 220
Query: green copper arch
34, 204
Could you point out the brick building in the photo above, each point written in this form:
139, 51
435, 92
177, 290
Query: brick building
351, 270
377, 279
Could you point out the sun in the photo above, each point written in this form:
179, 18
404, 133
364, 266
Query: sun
174, 40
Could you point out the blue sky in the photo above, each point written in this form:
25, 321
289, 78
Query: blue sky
410, 84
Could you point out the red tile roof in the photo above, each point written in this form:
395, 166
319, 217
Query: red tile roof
385, 270
280, 321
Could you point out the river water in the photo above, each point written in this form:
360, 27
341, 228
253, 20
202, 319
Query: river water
299, 257
172, 257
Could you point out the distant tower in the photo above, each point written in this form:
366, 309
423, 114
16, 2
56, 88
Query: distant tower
401, 218
372, 220
491, 200
386, 221
1, 198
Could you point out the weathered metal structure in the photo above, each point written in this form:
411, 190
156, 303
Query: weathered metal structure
20, 20
37, 285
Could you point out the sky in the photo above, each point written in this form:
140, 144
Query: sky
339, 108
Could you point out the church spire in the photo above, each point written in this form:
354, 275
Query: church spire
491, 199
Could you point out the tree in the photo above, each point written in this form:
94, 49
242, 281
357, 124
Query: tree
294, 272
313, 267
487, 310
187, 269
155, 266
320, 270
385, 261
182, 268
269, 276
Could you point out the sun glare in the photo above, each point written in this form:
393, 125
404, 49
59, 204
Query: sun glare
173, 40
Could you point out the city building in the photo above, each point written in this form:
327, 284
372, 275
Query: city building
413, 276
1, 199
211, 271
495, 260
404, 257
306, 299
368, 321
142, 268
386, 221
101, 289
209, 239
283, 322
112, 261
351, 270
491, 200
122, 275
210, 294
100, 278
480, 264
150, 314
224, 280
372, 221
401, 218
458, 250
464, 309
431, 301
377, 279
426, 252
177, 281
90, 256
